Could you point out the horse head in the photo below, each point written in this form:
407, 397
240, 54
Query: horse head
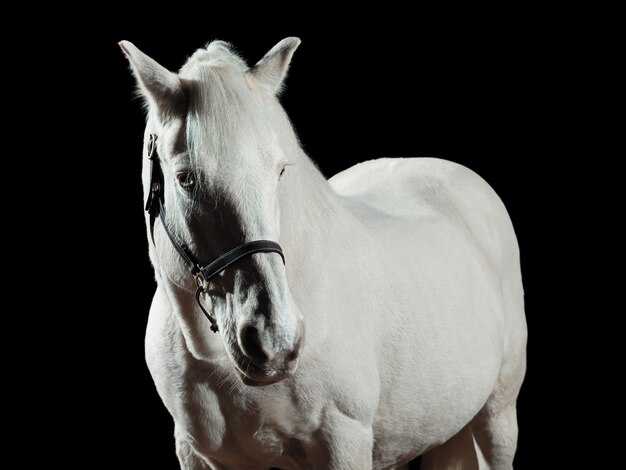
217, 126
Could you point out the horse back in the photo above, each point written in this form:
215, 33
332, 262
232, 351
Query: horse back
413, 188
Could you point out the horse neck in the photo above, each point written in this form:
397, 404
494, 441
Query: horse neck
310, 211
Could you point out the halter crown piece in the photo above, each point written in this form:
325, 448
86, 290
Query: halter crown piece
155, 206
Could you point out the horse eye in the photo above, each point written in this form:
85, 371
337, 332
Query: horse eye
281, 172
186, 179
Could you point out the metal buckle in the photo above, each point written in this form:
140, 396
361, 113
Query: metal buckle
152, 146
201, 281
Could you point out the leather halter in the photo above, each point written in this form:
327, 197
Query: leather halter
155, 206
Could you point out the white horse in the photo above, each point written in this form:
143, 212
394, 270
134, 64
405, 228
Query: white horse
403, 273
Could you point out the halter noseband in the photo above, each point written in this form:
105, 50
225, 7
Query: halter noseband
155, 206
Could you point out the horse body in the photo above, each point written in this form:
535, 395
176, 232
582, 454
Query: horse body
446, 249
406, 273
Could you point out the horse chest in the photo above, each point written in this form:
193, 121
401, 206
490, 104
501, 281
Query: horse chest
238, 425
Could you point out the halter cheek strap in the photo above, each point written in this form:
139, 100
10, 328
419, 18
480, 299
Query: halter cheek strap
155, 206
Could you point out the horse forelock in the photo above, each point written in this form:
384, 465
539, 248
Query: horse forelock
225, 118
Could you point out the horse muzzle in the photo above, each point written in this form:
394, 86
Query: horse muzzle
261, 362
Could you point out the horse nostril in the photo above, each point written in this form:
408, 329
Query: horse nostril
252, 347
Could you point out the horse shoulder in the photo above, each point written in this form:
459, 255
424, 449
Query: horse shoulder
180, 379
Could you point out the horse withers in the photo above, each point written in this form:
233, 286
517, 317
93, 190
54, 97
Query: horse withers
379, 316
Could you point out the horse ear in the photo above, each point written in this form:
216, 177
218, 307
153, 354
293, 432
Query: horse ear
161, 88
272, 68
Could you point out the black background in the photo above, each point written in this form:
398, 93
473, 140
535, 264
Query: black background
489, 95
